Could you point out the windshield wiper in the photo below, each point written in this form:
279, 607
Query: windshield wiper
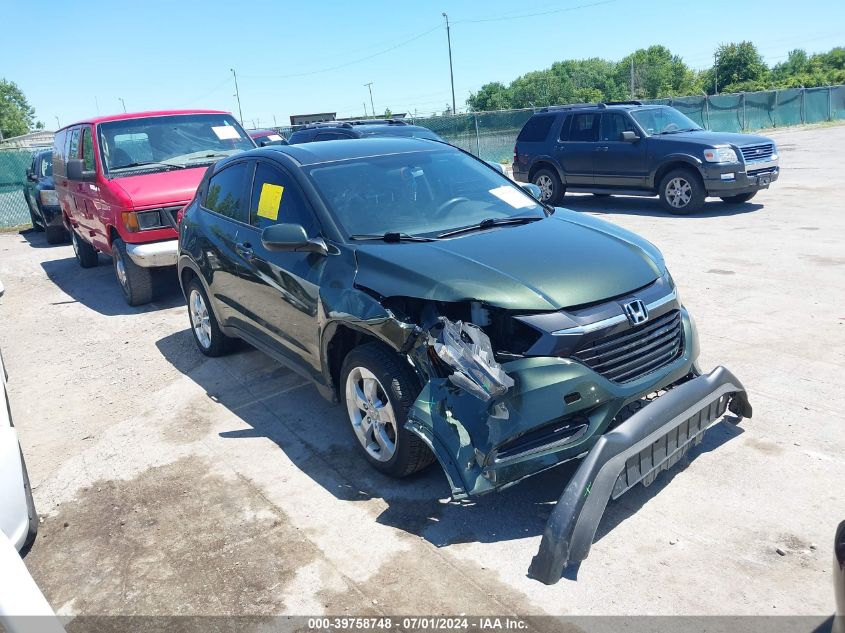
686, 129
148, 164
392, 238
489, 223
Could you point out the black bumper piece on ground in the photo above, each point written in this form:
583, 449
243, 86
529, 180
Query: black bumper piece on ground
651, 440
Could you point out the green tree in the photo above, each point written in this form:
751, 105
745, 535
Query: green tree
492, 96
738, 67
387, 113
655, 73
16, 115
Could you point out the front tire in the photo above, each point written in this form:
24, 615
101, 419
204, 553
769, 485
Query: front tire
204, 327
85, 254
740, 199
682, 192
135, 281
378, 390
550, 185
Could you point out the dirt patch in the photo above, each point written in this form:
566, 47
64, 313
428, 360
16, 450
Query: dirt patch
189, 424
765, 447
177, 540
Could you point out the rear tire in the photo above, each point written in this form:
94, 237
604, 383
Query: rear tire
204, 327
56, 234
32, 527
36, 222
550, 185
135, 281
682, 192
377, 415
740, 199
86, 254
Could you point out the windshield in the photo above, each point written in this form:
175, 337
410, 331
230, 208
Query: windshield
418, 193
169, 142
663, 120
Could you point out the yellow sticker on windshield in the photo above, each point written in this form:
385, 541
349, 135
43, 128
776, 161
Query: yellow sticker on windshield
270, 200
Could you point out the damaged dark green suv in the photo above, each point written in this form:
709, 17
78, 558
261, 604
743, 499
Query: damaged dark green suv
455, 317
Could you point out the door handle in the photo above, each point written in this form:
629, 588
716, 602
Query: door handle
601, 149
245, 250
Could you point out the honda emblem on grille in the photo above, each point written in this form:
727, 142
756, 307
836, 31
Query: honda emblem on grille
636, 312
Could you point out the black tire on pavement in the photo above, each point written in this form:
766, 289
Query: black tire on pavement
401, 386
550, 185
56, 234
135, 281
36, 221
32, 527
86, 254
740, 199
681, 191
217, 343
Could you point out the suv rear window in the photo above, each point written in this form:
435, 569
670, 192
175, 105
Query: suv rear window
537, 129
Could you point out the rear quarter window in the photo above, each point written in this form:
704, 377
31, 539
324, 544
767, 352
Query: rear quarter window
537, 129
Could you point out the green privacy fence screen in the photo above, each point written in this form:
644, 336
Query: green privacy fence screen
13, 166
491, 135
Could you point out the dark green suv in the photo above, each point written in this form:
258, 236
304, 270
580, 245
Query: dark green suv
640, 150
454, 316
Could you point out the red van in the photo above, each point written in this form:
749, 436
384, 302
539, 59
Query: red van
122, 179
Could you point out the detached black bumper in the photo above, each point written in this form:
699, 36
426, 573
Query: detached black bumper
651, 440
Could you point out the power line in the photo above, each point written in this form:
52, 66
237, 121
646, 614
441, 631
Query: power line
532, 15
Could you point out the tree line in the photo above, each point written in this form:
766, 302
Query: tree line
655, 72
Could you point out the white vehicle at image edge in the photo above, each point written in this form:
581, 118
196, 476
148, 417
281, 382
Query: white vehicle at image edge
20, 597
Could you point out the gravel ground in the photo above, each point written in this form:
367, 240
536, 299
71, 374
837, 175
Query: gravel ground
171, 484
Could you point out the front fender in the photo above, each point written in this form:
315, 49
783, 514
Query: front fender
672, 160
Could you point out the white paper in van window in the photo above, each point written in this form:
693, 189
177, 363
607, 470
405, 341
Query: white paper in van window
512, 197
274, 137
225, 132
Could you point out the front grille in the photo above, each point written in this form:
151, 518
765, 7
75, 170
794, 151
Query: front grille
757, 172
757, 152
635, 352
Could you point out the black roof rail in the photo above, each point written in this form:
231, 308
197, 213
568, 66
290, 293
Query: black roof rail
568, 106
318, 124
378, 122
607, 103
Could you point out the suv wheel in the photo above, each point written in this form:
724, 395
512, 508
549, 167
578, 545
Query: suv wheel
207, 335
550, 185
86, 254
743, 197
36, 221
681, 192
135, 281
378, 390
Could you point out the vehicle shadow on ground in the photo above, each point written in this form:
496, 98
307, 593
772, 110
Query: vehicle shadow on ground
634, 205
97, 288
38, 239
314, 434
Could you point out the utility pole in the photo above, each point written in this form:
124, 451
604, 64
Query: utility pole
715, 74
632, 79
123, 103
370, 86
365, 109
238, 96
57, 123
451, 73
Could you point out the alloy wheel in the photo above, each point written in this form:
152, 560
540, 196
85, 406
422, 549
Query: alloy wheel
200, 320
371, 414
120, 268
678, 192
546, 186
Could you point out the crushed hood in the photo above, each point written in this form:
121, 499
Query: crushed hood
546, 265
161, 188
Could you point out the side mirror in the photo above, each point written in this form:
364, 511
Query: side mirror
534, 190
291, 238
498, 167
76, 170
29, 175
630, 137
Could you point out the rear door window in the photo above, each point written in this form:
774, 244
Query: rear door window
228, 190
537, 129
329, 136
585, 128
46, 168
73, 144
276, 200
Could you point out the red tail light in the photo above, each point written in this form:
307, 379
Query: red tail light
514, 154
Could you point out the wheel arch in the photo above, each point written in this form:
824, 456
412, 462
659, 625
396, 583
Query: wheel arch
678, 161
546, 163
340, 338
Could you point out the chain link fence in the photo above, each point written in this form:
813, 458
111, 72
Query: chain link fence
14, 210
491, 135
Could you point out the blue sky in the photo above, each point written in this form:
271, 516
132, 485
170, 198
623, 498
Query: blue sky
75, 59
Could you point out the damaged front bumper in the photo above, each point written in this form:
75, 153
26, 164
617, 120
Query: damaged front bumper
651, 440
